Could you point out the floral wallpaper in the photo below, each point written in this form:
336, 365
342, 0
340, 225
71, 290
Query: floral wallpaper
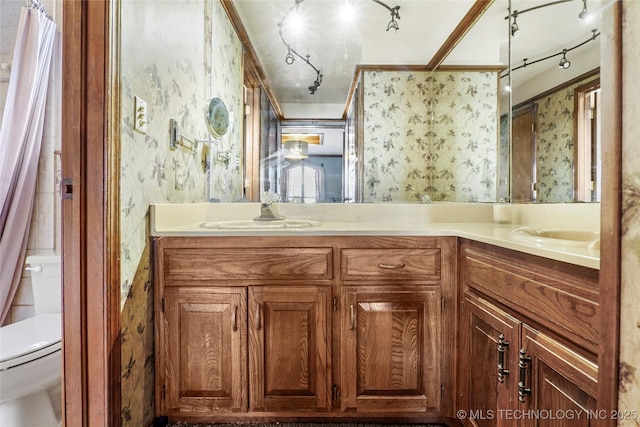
430, 134
629, 388
555, 154
175, 55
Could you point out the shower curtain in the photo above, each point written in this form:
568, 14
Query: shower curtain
20, 141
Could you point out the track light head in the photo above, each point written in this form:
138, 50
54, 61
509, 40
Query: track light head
585, 15
289, 58
564, 62
515, 29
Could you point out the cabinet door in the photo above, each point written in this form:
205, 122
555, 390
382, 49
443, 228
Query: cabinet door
558, 386
203, 346
288, 348
391, 359
488, 362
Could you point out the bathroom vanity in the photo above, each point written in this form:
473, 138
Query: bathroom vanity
528, 336
351, 325
414, 320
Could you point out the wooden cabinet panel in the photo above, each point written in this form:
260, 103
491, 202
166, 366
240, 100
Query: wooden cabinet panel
289, 348
391, 263
561, 297
203, 340
491, 339
556, 380
272, 263
391, 349
247, 327
540, 308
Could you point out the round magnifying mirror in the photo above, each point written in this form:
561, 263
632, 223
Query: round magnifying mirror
217, 117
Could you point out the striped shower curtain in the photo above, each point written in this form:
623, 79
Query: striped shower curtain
20, 141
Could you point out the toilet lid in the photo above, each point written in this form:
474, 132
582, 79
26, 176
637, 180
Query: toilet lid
30, 339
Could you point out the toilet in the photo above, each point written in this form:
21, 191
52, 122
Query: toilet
31, 353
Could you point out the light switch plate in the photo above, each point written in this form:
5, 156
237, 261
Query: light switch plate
140, 116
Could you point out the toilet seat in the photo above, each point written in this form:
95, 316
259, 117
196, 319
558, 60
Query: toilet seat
30, 339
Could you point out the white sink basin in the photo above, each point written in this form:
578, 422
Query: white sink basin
562, 237
250, 224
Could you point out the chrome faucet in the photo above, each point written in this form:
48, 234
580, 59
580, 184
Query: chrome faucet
266, 214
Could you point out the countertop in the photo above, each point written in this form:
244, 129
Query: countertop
412, 220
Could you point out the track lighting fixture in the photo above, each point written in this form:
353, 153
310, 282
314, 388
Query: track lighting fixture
515, 29
290, 58
564, 62
392, 27
585, 15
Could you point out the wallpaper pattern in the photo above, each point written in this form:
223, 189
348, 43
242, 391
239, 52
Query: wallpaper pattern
430, 134
164, 62
176, 61
555, 145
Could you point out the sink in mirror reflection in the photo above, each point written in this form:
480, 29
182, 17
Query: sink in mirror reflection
292, 224
564, 237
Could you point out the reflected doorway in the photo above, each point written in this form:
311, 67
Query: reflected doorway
523, 180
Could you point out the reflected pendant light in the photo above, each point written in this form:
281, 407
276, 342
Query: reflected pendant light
296, 150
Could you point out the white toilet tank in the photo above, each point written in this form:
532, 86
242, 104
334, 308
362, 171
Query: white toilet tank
46, 281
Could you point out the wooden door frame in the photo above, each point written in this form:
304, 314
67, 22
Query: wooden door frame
611, 210
90, 230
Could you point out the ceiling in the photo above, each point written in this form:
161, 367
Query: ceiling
336, 47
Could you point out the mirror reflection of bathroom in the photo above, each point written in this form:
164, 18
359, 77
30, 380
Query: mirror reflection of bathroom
304, 164
30, 264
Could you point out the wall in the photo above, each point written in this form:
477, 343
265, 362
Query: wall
175, 55
430, 134
555, 145
629, 387
45, 231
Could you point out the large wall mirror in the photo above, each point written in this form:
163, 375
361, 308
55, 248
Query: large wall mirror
555, 100
538, 142
550, 116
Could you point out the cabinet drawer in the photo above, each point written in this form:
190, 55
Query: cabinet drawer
562, 299
273, 263
391, 263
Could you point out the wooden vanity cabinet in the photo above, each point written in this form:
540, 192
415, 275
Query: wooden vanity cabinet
242, 326
391, 344
528, 339
330, 327
202, 353
289, 348
398, 308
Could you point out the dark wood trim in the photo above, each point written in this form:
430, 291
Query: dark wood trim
578, 102
611, 212
250, 54
74, 372
112, 149
479, 68
90, 248
252, 130
472, 16
593, 73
